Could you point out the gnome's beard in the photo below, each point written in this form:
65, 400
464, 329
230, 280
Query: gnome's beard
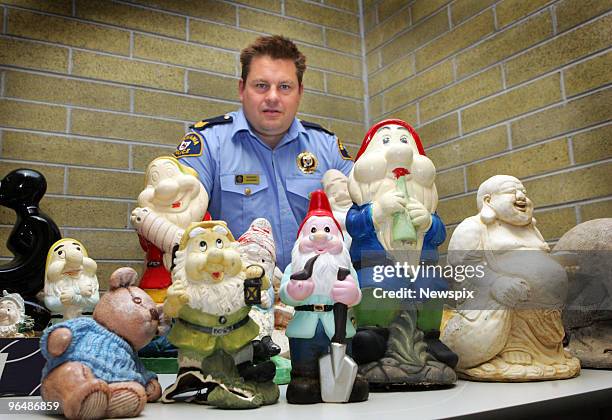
222, 298
55, 288
194, 212
9, 330
374, 177
325, 270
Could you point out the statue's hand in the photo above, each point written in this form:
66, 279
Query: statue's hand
346, 291
419, 215
67, 296
300, 289
86, 290
265, 300
153, 390
177, 297
510, 291
387, 204
254, 271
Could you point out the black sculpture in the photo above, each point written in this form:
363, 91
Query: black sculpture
31, 238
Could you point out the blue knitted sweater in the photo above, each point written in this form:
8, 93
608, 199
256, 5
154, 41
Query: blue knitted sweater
109, 356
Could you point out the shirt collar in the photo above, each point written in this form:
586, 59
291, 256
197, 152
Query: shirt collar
241, 124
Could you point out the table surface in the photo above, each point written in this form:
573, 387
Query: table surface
465, 398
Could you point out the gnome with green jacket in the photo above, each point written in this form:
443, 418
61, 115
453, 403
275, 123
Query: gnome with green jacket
210, 298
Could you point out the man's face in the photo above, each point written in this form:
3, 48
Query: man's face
270, 96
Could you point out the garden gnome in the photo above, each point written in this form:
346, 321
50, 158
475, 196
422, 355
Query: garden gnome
393, 220
256, 246
92, 367
213, 330
12, 315
29, 241
71, 284
173, 198
311, 285
588, 316
512, 329
335, 185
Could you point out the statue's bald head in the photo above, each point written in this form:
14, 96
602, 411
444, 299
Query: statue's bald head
494, 184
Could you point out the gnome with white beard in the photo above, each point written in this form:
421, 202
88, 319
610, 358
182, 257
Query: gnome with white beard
317, 256
172, 199
393, 220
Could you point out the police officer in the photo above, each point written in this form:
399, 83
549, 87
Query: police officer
261, 161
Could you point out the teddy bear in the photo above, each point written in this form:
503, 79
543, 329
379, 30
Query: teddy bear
92, 365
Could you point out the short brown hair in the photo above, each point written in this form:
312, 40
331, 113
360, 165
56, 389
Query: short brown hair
278, 48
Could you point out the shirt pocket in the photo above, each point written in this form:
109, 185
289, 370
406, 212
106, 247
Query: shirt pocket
299, 189
242, 203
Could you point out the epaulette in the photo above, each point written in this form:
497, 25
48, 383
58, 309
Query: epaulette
209, 122
308, 124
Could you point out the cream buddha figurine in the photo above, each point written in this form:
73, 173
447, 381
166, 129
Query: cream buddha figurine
512, 329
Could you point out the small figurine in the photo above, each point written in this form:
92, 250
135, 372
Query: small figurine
512, 330
92, 368
321, 283
13, 320
335, 185
71, 284
256, 246
172, 199
210, 297
29, 241
394, 221
587, 317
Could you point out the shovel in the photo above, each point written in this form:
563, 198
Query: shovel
337, 371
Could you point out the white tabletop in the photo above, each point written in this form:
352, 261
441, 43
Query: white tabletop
464, 399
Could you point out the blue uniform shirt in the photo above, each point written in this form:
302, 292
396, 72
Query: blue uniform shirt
281, 194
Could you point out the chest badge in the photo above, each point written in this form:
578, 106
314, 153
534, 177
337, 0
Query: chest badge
307, 162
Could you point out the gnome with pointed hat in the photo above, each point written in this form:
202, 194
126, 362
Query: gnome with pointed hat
311, 285
393, 220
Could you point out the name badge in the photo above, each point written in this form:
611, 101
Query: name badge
247, 179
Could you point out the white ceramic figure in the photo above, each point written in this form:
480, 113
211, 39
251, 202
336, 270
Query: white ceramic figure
172, 199
335, 185
256, 246
394, 220
512, 329
71, 284
12, 315
209, 297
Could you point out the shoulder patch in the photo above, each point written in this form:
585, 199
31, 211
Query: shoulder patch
191, 145
209, 122
343, 152
315, 126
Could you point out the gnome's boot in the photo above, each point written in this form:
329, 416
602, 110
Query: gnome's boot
369, 344
260, 372
304, 387
265, 348
428, 320
439, 350
361, 389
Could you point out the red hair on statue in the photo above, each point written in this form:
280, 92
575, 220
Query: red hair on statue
378, 125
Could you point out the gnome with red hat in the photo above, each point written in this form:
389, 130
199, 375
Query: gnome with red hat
312, 284
393, 220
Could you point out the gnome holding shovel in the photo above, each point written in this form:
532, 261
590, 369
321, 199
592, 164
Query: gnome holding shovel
321, 284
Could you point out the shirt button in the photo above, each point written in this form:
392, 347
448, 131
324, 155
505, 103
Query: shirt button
222, 320
247, 191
